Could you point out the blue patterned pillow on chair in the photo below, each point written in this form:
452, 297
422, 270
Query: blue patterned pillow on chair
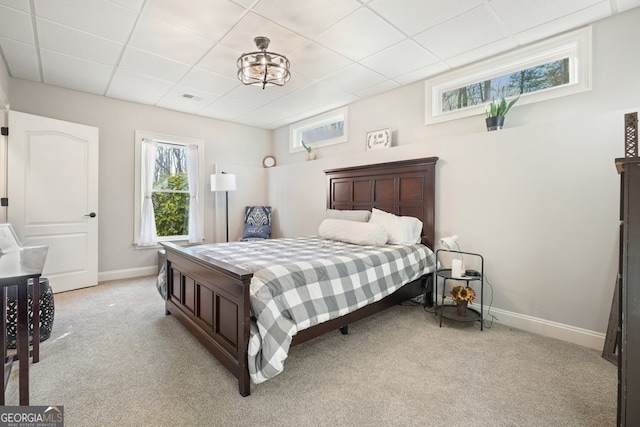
257, 223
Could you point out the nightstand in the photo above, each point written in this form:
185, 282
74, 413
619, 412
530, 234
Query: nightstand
449, 311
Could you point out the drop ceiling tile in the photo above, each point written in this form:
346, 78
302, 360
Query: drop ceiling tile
254, 94
290, 105
422, 73
623, 5
210, 19
318, 93
309, 17
16, 25
359, 35
137, 88
221, 60
264, 115
315, 61
381, 87
17, 4
415, 16
148, 64
19, 55
175, 100
100, 17
521, 15
482, 52
20, 71
241, 37
209, 82
227, 109
353, 78
563, 24
131, 4
475, 22
74, 67
168, 41
253, 121
77, 43
86, 83
399, 59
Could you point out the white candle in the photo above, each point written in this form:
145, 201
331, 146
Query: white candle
456, 268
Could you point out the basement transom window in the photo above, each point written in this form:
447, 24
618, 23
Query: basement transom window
550, 69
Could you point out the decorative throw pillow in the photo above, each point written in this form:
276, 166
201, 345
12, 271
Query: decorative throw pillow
359, 233
403, 230
354, 215
257, 222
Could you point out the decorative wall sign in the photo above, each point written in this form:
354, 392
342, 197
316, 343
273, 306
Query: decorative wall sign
379, 139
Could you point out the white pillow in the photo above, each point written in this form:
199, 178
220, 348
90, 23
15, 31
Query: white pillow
354, 215
359, 233
403, 230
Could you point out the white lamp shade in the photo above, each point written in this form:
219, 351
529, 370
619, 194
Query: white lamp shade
223, 182
449, 242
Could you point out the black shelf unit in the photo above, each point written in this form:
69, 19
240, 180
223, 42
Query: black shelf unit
448, 311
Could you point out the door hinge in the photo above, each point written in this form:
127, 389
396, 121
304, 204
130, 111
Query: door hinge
4, 201
5, 130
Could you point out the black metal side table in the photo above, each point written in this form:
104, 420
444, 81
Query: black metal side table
17, 268
449, 311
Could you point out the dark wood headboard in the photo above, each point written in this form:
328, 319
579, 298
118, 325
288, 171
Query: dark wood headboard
405, 188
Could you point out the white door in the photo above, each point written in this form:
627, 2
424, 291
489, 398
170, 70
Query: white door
53, 195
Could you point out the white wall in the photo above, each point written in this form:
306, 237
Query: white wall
233, 148
539, 199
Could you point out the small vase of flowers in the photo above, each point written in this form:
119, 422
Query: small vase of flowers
462, 296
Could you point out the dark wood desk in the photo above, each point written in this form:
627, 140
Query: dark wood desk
18, 268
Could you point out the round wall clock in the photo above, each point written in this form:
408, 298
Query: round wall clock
268, 161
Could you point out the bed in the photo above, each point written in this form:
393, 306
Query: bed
210, 294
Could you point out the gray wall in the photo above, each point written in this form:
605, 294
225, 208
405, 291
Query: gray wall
539, 199
234, 148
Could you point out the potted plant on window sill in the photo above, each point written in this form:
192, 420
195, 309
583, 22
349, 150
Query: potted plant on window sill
310, 154
496, 111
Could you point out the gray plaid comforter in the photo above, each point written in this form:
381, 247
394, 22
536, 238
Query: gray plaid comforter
301, 282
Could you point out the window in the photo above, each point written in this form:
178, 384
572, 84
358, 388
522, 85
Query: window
557, 67
168, 189
326, 129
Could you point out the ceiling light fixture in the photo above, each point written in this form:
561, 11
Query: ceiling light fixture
263, 68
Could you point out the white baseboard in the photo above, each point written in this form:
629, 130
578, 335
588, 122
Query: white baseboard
532, 324
547, 328
128, 273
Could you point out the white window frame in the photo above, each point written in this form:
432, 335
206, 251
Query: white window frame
139, 194
575, 45
296, 129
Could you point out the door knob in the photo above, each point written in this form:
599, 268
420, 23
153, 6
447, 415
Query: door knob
92, 215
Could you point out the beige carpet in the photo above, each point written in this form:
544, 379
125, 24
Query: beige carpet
115, 359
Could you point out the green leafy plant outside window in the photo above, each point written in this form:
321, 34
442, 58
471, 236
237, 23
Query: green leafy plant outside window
171, 206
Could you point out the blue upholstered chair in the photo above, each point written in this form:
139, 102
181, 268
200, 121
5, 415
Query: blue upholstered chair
257, 223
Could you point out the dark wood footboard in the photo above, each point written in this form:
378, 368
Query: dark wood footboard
211, 299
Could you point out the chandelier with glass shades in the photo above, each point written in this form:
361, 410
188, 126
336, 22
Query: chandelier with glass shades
263, 68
